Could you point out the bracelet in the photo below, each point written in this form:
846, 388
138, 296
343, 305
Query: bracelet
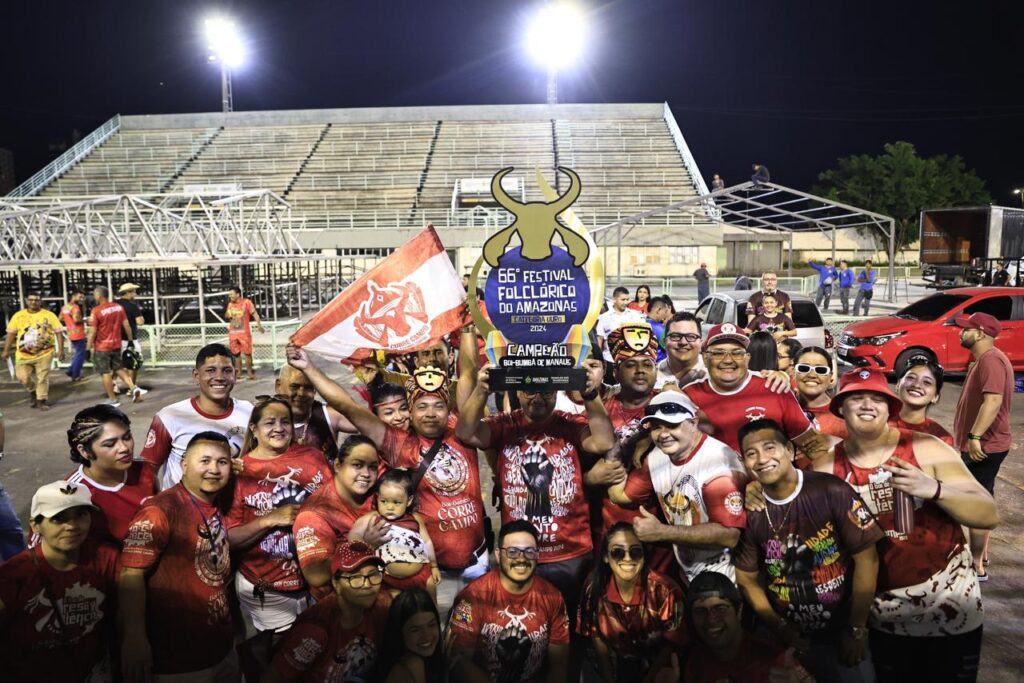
973, 437
938, 491
590, 395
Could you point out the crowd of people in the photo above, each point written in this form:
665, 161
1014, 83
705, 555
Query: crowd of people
693, 514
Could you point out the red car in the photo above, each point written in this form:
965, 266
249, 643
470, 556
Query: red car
926, 326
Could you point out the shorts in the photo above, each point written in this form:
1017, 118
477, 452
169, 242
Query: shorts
107, 362
417, 580
986, 470
240, 344
276, 611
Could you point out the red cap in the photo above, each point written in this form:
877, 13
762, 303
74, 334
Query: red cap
351, 556
980, 321
726, 332
865, 380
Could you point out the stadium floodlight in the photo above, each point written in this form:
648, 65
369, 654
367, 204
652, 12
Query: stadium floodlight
555, 39
226, 49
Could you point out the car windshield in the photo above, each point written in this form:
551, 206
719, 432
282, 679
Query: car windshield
931, 307
805, 314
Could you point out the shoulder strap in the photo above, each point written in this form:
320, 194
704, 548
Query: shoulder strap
428, 458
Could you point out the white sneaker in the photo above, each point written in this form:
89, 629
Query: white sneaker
137, 394
113, 402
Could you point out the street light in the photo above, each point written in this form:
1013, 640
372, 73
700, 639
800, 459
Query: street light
555, 40
226, 49
1020, 191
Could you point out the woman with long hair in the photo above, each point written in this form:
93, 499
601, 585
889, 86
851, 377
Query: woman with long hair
815, 375
631, 614
919, 387
641, 299
390, 402
413, 648
101, 443
764, 352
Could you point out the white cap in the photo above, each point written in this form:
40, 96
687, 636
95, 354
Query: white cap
669, 406
52, 499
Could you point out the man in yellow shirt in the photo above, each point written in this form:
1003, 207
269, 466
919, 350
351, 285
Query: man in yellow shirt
36, 330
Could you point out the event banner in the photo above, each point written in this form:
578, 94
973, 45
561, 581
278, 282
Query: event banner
539, 296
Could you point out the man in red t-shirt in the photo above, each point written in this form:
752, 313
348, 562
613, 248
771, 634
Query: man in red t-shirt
74, 323
107, 321
982, 421
340, 638
510, 625
238, 313
56, 599
174, 589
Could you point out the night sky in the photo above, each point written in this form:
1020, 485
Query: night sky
791, 84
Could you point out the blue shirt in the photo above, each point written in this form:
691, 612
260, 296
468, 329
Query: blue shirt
867, 280
824, 273
846, 278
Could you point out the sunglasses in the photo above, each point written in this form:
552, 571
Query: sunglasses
805, 369
633, 552
667, 409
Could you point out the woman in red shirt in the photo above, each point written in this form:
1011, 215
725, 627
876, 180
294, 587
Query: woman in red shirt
641, 300
101, 442
632, 615
919, 388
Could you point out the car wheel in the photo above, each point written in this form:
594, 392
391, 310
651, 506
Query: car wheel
903, 360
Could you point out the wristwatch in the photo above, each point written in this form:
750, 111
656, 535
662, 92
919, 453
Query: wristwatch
859, 632
974, 437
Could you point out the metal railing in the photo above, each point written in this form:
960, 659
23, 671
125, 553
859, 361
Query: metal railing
67, 159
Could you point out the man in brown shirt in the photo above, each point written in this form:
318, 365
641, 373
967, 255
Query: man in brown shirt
982, 421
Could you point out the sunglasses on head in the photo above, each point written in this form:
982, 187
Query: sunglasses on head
633, 552
667, 409
806, 369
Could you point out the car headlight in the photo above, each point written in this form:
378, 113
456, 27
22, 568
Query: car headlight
883, 339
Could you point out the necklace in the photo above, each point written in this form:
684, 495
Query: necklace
782, 524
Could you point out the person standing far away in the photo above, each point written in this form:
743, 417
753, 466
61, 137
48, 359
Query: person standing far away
36, 330
845, 285
761, 174
238, 313
615, 317
132, 357
813, 547
74, 323
107, 322
641, 300
827, 276
982, 420
769, 285
175, 582
174, 426
717, 183
703, 278
1001, 277
866, 290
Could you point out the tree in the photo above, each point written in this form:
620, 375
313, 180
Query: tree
900, 184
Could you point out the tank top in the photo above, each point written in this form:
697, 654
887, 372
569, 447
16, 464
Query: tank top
904, 559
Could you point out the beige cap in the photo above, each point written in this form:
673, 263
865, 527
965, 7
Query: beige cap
52, 499
127, 287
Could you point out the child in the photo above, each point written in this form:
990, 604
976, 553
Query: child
777, 323
408, 553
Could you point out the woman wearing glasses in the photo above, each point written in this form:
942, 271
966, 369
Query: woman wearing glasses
339, 638
631, 614
919, 388
814, 372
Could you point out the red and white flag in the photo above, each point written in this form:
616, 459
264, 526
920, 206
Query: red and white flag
407, 302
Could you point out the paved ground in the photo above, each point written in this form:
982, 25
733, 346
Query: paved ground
36, 453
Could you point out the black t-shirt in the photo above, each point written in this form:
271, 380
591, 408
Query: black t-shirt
808, 563
132, 310
1000, 278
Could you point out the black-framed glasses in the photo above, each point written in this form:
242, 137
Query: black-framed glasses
361, 580
676, 337
806, 369
514, 553
633, 552
721, 354
667, 409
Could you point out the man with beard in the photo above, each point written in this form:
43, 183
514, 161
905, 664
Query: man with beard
683, 363
814, 547
509, 625
769, 285
446, 471
982, 421
174, 426
175, 577
340, 637
315, 423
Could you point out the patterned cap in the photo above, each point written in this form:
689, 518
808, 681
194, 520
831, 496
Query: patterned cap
350, 556
631, 340
427, 380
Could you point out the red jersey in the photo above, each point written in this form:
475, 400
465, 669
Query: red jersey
826, 422
751, 401
626, 422
508, 634
638, 628
323, 522
71, 316
542, 481
117, 504
183, 545
904, 559
318, 649
752, 664
929, 426
38, 645
262, 486
238, 314
448, 496
108, 319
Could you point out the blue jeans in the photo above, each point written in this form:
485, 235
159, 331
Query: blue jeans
12, 536
78, 360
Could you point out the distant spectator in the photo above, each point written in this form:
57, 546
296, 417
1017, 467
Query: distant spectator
132, 355
641, 300
761, 174
866, 292
845, 284
742, 283
769, 285
1001, 276
36, 329
107, 324
658, 314
74, 323
615, 317
772, 320
703, 278
717, 183
827, 276
238, 313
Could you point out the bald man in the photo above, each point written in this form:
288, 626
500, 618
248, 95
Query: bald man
316, 424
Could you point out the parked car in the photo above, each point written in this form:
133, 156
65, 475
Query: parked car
731, 307
926, 326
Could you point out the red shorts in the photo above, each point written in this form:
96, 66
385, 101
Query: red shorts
240, 344
417, 580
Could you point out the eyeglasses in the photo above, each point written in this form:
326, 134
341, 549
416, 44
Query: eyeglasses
514, 553
805, 369
361, 580
718, 355
633, 552
667, 409
676, 337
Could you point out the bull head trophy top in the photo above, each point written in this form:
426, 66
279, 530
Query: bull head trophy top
536, 223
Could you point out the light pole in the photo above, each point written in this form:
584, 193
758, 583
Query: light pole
225, 46
1020, 193
555, 40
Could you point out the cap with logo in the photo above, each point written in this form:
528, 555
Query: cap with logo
350, 556
980, 321
672, 407
726, 332
856, 381
54, 498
